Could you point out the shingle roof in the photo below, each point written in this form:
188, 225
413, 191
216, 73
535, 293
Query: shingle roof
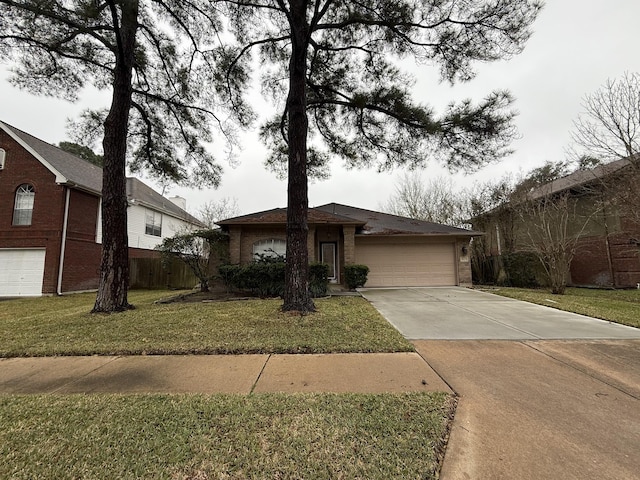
278, 216
579, 178
367, 221
378, 223
77, 172
68, 168
141, 194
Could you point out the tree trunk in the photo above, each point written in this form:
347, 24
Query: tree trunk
114, 267
296, 293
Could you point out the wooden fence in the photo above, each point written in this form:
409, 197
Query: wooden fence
150, 273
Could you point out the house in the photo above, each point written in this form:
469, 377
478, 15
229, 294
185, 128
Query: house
399, 251
50, 227
605, 219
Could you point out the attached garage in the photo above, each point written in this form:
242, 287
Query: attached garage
407, 261
21, 272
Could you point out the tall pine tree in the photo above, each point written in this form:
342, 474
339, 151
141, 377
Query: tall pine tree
332, 66
157, 59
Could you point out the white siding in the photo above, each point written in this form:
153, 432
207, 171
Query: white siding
136, 217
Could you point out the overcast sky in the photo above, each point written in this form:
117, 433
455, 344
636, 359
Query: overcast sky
576, 46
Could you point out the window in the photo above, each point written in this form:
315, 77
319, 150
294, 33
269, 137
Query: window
153, 223
23, 207
270, 248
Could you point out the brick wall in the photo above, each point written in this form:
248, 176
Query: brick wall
251, 235
46, 223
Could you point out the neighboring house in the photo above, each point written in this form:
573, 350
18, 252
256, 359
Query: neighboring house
606, 200
398, 251
50, 228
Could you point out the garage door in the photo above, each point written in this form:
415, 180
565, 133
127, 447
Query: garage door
407, 262
21, 272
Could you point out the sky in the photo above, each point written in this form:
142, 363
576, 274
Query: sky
575, 47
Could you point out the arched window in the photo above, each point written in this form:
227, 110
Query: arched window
270, 248
23, 206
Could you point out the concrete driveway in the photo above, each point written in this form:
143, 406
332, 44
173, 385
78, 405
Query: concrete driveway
457, 313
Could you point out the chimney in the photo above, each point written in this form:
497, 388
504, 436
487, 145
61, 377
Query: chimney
179, 201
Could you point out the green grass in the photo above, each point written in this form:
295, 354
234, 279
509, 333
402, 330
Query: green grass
63, 326
317, 436
620, 306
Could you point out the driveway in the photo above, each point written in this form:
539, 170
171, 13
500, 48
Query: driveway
457, 313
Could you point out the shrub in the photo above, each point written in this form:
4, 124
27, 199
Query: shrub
265, 277
355, 275
522, 269
318, 279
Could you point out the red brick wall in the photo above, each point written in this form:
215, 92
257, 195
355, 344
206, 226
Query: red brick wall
45, 229
82, 253
591, 264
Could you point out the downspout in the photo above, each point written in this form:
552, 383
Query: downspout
63, 243
608, 244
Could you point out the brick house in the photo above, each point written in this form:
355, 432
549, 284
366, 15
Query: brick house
398, 251
50, 227
606, 200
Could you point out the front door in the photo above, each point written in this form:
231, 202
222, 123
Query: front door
328, 256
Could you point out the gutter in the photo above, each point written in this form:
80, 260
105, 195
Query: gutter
63, 243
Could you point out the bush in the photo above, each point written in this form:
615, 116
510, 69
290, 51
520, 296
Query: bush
355, 275
265, 277
521, 269
318, 279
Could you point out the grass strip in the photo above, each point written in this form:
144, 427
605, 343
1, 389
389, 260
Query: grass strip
619, 306
62, 326
310, 436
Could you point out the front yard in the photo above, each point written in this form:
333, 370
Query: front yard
63, 326
199, 437
193, 437
620, 306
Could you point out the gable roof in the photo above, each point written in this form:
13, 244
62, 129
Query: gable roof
367, 222
67, 168
378, 223
78, 173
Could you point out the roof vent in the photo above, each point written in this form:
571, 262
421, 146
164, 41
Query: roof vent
3, 154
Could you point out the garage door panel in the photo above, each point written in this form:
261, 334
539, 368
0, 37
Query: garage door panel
408, 264
21, 272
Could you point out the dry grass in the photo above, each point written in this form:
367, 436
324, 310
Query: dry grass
620, 306
63, 326
317, 436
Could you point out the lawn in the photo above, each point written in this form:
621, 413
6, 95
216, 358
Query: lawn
620, 306
311, 436
62, 326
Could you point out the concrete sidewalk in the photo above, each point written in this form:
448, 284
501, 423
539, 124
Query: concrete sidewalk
535, 410
240, 374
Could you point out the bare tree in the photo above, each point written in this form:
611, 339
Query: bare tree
609, 127
214, 211
551, 226
437, 200
608, 130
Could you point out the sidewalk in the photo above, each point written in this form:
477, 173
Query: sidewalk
239, 374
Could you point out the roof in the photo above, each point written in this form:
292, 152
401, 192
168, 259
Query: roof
139, 193
579, 178
68, 169
278, 216
367, 222
378, 223
78, 173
